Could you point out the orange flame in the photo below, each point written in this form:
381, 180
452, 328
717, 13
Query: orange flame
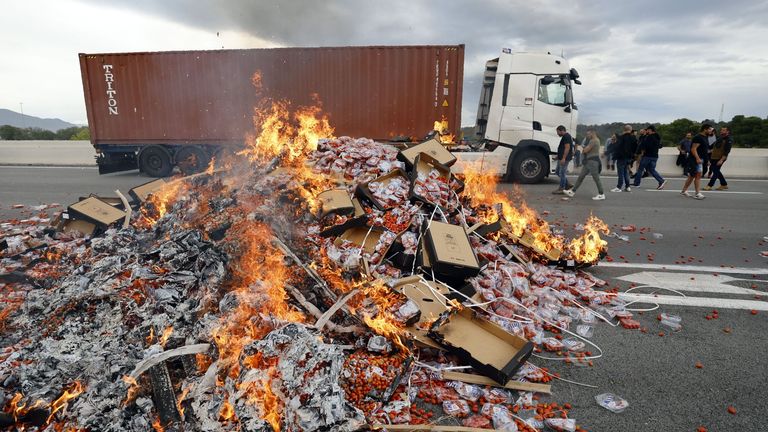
588, 247
179, 406
157, 426
441, 127
160, 201
227, 411
165, 336
133, 389
74, 391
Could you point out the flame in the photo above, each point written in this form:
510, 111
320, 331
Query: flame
151, 336
179, 406
157, 426
588, 247
165, 336
480, 187
227, 411
160, 201
133, 389
441, 127
211, 166
74, 391
260, 277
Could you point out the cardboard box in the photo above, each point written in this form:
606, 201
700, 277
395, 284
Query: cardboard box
450, 252
490, 349
359, 211
140, 193
81, 226
96, 211
433, 147
114, 201
335, 201
431, 305
424, 164
364, 193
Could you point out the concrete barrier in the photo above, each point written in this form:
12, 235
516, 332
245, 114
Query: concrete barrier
742, 163
53, 153
745, 163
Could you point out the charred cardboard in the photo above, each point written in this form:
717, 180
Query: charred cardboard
335, 201
424, 164
364, 193
430, 304
96, 211
433, 147
337, 230
450, 252
490, 349
141, 192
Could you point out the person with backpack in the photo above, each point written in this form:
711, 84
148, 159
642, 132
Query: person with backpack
720, 152
649, 155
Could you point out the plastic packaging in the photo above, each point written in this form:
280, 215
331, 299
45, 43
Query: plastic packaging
584, 330
611, 402
658, 236
561, 424
456, 408
672, 322
575, 345
502, 419
467, 391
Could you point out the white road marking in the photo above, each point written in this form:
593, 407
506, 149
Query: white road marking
712, 191
688, 268
706, 283
50, 167
706, 302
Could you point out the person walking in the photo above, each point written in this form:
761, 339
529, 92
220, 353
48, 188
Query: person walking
564, 156
706, 156
649, 149
683, 148
695, 167
591, 166
720, 152
623, 152
610, 145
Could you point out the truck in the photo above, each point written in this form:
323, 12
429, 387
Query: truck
156, 110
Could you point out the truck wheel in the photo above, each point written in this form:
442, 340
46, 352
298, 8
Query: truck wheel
155, 161
528, 167
192, 159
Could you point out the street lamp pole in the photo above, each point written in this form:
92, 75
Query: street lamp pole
23, 123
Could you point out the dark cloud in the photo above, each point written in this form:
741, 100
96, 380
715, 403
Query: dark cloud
646, 42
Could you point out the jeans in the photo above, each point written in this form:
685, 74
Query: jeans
590, 166
562, 170
648, 163
622, 166
717, 174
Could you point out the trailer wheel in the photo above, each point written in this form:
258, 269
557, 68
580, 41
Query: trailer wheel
192, 159
155, 161
528, 167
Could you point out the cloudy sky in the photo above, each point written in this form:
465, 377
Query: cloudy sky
639, 61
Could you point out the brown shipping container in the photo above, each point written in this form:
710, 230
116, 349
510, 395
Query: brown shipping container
206, 97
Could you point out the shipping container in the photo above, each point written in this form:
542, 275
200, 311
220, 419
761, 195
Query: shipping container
206, 98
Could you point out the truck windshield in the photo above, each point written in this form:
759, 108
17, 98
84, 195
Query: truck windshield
553, 93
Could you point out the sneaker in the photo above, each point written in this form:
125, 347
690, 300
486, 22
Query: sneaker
707, 188
569, 192
661, 185
598, 197
628, 189
685, 194
558, 191
699, 196
722, 187
616, 189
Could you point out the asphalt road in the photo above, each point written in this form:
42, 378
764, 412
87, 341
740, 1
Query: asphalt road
708, 252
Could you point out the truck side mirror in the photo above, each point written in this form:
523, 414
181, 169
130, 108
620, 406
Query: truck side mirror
547, 80
567, 109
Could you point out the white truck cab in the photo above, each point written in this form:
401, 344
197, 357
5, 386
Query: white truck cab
525, 96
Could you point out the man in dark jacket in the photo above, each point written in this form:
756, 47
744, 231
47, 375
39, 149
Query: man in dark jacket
649, 149
720, 152
624, 152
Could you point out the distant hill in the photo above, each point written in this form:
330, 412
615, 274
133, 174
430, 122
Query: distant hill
13, 118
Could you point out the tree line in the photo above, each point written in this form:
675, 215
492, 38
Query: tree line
8, 132
747, 131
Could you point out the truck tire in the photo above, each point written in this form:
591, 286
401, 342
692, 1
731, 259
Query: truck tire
529, 166
155, 161
192, 159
